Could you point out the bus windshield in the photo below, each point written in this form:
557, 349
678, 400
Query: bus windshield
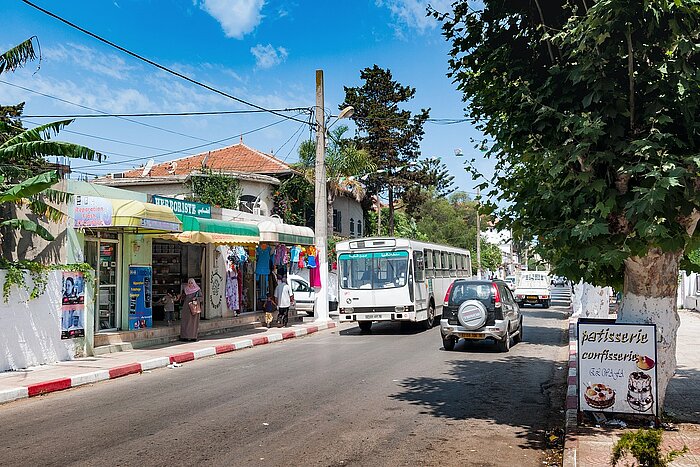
381, 270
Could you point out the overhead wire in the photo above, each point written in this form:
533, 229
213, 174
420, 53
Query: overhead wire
166, 114
157, 65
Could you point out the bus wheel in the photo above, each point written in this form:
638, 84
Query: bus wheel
431, 317
365, 325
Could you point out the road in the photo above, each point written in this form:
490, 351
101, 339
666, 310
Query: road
391, 397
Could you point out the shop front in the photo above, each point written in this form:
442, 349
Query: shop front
217, 254
115, 234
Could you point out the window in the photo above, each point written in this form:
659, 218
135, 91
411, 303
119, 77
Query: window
437, 264
453, 265
359, 228
381, 270
429, 268
419, 266
337, 221
247, 203
352, 226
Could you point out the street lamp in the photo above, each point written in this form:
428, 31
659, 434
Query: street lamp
321, 198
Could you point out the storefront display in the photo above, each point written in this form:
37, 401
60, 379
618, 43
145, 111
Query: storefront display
173, 263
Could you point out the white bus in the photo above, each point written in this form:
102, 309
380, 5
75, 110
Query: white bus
396, 279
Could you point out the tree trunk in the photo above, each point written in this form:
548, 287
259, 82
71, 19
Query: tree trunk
390, 223
651, 284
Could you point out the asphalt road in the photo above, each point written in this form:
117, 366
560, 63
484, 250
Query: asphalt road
391, 397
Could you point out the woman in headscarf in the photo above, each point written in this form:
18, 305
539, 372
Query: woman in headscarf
189, 324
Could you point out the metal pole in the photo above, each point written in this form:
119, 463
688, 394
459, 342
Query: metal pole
379, 216
321, 203
478, 237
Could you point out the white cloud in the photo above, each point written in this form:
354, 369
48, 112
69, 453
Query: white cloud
412, 13
237, 17
266, 56
89, 59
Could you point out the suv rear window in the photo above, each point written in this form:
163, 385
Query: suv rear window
463, 291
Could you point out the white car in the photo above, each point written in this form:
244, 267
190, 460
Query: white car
304, 294
510, 282
533, 289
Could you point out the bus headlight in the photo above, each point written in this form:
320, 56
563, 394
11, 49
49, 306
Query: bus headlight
346, 310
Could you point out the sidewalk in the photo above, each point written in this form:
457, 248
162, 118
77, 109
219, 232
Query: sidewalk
64, 375
592, 446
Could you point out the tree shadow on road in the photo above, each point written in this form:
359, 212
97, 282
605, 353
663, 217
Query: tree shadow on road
682, 401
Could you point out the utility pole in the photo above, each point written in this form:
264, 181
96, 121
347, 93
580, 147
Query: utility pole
478, 236
379, 216
321, 203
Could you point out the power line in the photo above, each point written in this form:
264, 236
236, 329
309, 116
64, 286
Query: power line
100, 111
159, 66
167, 114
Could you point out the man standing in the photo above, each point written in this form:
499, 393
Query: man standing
284, 299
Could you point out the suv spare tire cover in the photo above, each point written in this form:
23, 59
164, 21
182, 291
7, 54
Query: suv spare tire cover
472, 314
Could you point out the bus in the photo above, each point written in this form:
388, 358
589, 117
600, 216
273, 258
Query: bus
396, 279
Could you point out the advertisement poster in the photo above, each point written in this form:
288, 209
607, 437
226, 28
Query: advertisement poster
73, 305
140, 297
617, 367
92, 211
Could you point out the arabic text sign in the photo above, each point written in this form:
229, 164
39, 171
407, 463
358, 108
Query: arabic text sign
617, 367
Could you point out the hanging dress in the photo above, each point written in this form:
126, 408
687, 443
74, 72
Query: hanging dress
232, 296
314, 275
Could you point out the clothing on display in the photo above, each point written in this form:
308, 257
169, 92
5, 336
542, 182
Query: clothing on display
312, 262
262, 258
280, 255
315, 277
294, 253
232, 295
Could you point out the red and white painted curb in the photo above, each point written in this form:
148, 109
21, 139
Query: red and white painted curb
570, 441
60, 384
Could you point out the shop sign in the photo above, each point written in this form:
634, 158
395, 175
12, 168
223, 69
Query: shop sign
160, 225
180, 206
617, 367
73, 305
140, 297
92, 211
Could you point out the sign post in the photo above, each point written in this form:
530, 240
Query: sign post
617, 367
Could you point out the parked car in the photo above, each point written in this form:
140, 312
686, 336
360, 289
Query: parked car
533, 289
478, 310
510, 282
305, 295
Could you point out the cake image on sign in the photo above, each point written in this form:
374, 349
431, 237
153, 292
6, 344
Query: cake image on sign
639, 395
644, 363
599, 396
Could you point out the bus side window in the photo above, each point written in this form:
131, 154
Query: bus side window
453, 266
438, 264
419, 266
428, 263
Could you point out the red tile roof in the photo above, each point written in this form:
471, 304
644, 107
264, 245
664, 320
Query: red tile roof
236, 158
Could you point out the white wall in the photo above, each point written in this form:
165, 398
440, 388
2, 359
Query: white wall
350, 209
30, 330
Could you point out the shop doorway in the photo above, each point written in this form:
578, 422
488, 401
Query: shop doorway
102, 255
173, 264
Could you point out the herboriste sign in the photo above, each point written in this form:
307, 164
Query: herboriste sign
180, 206
617, 367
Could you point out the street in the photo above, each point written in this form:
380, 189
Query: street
391, 397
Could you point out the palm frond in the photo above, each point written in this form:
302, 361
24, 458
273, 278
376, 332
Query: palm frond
18, 55
29, 226
39, 207
50, 148
40, 133
56, 196
29, 187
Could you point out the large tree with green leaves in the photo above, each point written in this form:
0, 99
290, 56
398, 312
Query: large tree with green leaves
390, 134
592, 108
26, 177
345, 164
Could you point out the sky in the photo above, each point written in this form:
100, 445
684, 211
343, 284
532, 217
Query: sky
264, 52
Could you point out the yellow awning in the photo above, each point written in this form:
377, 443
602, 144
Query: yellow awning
193, 236
137, 215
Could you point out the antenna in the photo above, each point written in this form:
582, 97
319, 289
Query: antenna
147, 169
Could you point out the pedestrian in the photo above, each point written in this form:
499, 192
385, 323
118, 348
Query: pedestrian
168, 302
269, 307
284, 299
191, 309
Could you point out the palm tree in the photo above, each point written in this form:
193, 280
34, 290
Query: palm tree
345, 164
22, 153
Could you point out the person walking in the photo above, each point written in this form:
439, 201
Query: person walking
284, 299
191, 309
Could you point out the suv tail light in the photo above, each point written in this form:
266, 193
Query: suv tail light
496, 295
447, 295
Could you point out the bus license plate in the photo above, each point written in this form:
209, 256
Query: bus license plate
373, 316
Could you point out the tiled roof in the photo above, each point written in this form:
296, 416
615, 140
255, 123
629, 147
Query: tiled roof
236, 158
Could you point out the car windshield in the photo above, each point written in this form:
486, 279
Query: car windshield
463, 291
381, 270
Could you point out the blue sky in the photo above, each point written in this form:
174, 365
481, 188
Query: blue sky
263, 52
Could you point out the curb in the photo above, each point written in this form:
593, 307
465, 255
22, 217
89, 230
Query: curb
570, 441
60, 384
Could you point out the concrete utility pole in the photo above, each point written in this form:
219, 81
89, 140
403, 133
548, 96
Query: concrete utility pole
321, 203
478, 237
379, 217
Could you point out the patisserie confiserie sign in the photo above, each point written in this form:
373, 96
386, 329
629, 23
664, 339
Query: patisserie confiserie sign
617, 367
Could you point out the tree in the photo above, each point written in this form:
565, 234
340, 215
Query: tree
217, 189
432, 178
592, 109
23, 153
389, 134
345, 164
